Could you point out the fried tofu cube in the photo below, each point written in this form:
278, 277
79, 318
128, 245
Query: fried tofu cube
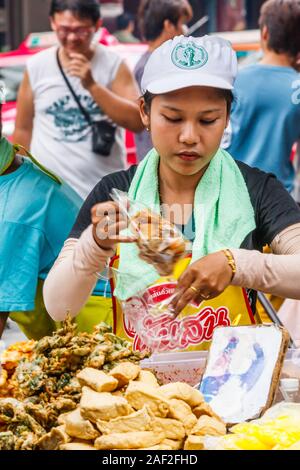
125, 372
172, 428
139, 395
147, 377
102, 406
205, 410
194, 443
174, 444
207, 426
181, 411
76, 446
184, 392
138, 421
97, 380
77, 426
54, 439
129, 440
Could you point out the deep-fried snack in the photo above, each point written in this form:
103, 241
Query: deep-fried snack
77, 426
194, 443
97, 380
174, 444
139, 394
129, 440
172, 428
147, 377
138, 421
205, 410
102, 406
53, 440
76, 446
184, 392
125, 372
159, 241
181, 411
209, 426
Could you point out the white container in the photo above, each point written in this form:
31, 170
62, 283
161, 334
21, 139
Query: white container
185, 367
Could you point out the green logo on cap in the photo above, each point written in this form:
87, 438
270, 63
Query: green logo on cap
189, 56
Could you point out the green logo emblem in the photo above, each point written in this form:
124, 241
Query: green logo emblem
189, 56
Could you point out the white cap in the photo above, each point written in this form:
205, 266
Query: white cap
187, 61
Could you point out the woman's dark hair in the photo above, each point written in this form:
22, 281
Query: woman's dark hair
282, 18
153, 13
87, 9
226, 94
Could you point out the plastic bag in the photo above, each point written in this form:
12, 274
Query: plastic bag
160, 243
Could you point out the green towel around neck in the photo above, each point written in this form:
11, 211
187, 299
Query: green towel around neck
223, 215
8, 152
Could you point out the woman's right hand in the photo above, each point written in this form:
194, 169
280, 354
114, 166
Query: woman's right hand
108, 221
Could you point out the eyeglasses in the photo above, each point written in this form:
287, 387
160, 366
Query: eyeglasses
81, 33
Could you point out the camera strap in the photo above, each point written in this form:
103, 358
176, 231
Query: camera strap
77, 100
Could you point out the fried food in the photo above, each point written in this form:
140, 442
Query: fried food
129, 440
181, 411
77, 426
184, 392
159, 242
140, 420
148, 378
53, 440
102, 406
139, 395
97, 380
172, 428
207, 426
205, 410
125, 372
194, 443
76, 446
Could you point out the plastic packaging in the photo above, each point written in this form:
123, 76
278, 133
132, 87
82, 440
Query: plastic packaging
160, 243
290, 389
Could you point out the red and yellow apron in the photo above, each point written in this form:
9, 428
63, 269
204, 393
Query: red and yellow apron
193, 329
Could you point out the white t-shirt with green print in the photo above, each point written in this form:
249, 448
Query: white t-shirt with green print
62, 138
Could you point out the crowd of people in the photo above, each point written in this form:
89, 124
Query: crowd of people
59, 227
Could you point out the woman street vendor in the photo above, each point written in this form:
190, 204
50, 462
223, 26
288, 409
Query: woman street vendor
228, 210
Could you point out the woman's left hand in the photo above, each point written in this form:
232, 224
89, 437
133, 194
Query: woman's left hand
203, 280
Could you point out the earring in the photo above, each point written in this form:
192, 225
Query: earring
148, 129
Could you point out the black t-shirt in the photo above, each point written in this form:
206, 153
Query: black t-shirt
274, 208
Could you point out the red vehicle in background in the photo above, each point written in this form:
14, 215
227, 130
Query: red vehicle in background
12, 66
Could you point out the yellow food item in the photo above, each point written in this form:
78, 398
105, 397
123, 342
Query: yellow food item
241, 442
205, 410
148, 378
97, 380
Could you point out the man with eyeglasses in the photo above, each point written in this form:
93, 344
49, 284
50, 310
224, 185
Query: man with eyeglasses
58, 126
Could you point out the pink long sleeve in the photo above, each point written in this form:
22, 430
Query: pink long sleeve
277, 273
74, 275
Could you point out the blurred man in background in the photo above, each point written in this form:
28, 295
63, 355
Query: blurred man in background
159, 21
265, 120
74, 96
125, 29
